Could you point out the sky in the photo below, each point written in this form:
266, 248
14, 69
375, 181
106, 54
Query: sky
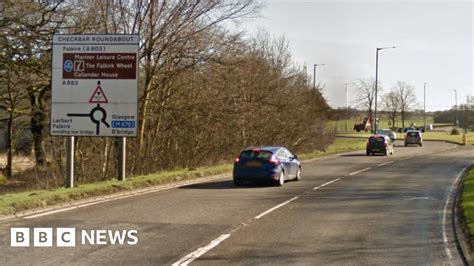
434, 42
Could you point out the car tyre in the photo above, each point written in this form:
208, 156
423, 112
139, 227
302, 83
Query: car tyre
237, 182
281, 179
298, 175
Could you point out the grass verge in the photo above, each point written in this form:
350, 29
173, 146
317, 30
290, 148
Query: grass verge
467, 206
16, 202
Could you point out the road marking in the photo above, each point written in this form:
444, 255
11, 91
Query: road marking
360, 171
274, 208
327, 183
112, 197
200, 251
445, 213
382, 164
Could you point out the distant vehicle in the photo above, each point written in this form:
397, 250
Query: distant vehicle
363, 125
388, 132
409, 129
413, 137
379, 144
275, 164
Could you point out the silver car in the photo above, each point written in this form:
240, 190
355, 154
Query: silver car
413, 137
388, 132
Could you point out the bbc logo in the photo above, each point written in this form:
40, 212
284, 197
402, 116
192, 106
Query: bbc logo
42, 237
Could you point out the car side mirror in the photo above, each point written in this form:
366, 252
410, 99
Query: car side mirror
295, 157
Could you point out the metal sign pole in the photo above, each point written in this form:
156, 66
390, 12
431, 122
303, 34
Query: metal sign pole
122, 158
70, 162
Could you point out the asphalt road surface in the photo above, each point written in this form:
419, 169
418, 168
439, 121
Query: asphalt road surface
349, 209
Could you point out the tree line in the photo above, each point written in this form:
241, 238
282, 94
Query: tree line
397, 103
204, 92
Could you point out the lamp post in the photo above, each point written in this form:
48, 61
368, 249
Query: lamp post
374, 125
455, 108
424, 106
347, 105
314, 74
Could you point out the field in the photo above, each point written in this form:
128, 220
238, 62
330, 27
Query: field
339, 126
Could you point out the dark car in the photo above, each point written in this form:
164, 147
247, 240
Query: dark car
379, 144
414, 137
275, 164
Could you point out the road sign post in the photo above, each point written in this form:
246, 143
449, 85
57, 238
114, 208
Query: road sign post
121, 164
70, 162
95, 87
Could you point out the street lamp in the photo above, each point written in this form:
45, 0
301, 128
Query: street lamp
314, 74
424, 106
374, 128
455, 107
347, 106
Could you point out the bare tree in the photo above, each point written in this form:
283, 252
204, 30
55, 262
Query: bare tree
365, 94
391, 104
406, 98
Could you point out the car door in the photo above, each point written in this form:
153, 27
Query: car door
294, 164
285, 160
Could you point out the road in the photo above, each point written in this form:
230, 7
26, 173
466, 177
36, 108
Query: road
348, 209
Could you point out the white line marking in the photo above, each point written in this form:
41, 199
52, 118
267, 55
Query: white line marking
382, 164
445, 213
274, 208
131, 194
200, 251
360, 171
70, 208
327, 183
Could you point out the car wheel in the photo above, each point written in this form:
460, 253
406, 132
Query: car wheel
237, 182
406, 145
367, 153
281, 179
298, 175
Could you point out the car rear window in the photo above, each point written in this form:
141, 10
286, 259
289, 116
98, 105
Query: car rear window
413, 134
376, 140
256, 155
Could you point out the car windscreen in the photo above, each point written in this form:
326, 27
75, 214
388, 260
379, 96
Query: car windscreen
413, 134
256, 155
377, 139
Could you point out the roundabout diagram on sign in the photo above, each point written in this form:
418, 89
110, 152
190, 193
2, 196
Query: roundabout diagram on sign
97, 114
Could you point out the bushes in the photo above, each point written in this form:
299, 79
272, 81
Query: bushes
455, 131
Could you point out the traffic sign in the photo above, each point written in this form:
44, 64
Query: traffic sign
98, 96
95, 85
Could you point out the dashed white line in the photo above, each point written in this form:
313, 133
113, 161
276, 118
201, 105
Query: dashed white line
200, 251
445, 213
360, 171
274, 208
327, 183
382, 164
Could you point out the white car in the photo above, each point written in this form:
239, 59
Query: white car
388, 132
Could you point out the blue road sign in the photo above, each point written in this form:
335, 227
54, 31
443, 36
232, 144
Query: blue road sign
68, 66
